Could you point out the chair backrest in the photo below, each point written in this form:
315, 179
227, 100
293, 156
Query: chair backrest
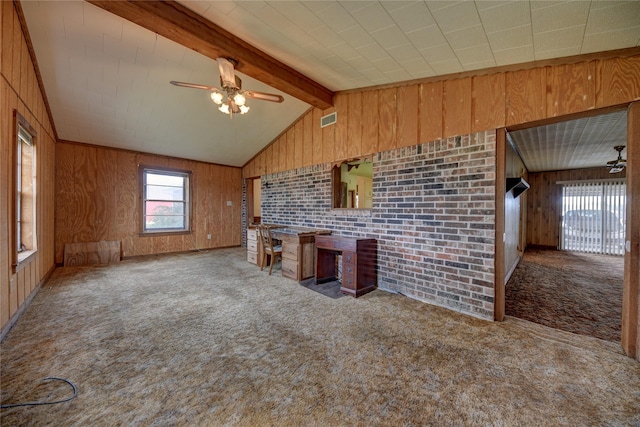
265, 237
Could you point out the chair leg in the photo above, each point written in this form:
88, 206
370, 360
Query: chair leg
273, 261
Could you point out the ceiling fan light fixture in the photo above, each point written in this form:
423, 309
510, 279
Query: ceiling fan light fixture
224, 108
243, 109
239, 99
217, 97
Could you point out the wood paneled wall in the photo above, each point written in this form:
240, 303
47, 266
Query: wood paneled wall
378, 120
544, 202
19, 91
97, 198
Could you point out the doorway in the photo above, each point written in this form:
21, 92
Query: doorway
544, 220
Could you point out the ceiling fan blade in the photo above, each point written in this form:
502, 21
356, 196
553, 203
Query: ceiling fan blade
193, 85
227, 73
263, 96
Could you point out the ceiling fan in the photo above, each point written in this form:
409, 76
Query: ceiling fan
618, 164
235, 101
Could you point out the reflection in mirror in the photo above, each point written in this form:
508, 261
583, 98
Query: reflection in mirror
353, 184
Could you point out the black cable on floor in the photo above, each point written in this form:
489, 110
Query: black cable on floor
73, 386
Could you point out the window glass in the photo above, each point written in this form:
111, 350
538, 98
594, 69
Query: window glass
25, 191
166, 201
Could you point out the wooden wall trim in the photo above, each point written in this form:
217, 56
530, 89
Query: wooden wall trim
499, 259
631, 293
406, 115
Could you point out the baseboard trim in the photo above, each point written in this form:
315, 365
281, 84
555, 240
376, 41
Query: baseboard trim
12, 321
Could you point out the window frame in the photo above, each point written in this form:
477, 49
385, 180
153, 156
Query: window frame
21, 258
188, 200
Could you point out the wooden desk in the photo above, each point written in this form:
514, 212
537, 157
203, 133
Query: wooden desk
358, 263
298, 250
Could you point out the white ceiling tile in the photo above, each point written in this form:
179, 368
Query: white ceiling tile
373, 52
427, 37
218, 8
446, 67
611, 40
515, 55
386, 64
373, 17
390, 38
411, 16
418, 68
441, 4
570, 37
470, 66
398, 75
557, 53
616, 16
438, 53
490, 4
475, 55
357, 37
404, 53
456, 16
327, 37
543, 4
467, 37
558, 16
336, 17
504, 16
511, 38
298, 13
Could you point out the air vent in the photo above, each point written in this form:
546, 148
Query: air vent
328, 120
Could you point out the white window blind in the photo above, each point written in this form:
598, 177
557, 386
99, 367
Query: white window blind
593, 216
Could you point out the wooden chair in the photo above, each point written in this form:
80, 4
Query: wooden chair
270, 249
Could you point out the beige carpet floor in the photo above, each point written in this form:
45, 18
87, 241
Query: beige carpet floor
206, 339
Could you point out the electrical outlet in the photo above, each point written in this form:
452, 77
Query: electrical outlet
208, 236
229, 203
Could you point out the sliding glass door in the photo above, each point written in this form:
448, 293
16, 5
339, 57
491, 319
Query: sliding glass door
593, 216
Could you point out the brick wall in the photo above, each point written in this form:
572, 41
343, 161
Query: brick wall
433, 216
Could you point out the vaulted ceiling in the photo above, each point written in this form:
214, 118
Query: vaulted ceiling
106, 66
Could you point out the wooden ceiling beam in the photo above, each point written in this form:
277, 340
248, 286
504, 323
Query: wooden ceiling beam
178, 23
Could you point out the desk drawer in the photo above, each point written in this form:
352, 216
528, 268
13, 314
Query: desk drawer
348, 273
252, 234
290, 250
252, 257
252, 245
290, 268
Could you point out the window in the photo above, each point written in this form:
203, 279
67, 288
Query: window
353, 184
593, 217
166, 201
24, 223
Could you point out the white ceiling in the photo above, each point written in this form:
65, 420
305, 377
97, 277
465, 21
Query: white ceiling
573, 144
107, 80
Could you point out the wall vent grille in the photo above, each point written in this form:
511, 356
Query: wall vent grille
328, 120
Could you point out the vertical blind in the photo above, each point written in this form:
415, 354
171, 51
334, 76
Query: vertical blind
593, 216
